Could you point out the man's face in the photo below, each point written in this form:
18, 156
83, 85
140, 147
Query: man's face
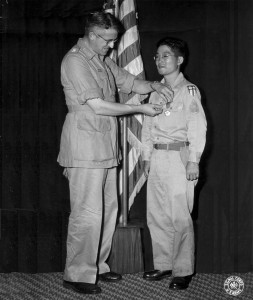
103, 39
167, 61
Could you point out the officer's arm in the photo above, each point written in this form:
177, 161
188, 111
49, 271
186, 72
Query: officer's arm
101, 107
145, 87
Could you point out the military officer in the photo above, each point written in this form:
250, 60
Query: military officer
89, 148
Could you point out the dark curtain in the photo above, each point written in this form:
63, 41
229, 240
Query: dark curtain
35, 199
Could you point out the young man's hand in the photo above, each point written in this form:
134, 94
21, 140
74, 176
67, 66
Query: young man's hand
146, 167
192, 170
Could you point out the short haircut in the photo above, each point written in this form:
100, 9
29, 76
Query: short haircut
104, 20
179, 47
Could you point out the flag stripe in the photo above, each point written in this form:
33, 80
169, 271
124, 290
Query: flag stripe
132, 52
135, 126
126, 7
135, 66
136, 181
129, 20
134, 154
134, 141
130, 36
135, 188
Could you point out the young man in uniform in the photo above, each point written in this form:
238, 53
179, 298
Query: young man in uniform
173, 142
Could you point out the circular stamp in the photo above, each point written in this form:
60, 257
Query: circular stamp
234, 285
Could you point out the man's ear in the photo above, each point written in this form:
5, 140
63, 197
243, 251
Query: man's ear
92, 35
180, 60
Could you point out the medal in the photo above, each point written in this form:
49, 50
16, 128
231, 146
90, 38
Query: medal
167, 110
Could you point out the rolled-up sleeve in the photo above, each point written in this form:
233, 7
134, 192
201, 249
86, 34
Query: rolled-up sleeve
124, 80
78, 74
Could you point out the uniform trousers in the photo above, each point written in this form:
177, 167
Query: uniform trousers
169, 204
92, 221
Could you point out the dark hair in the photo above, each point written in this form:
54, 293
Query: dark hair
179, 47
104, 20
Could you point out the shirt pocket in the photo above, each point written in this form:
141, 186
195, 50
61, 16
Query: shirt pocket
93, 142
174, 120
177, 107
107, 82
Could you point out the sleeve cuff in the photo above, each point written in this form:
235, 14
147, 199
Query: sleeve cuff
194, 157
90, 94
128, 84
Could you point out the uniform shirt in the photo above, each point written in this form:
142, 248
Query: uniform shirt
90, 140
186, 121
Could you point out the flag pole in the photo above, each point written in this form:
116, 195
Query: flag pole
124, 199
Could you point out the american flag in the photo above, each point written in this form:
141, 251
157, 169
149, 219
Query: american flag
129, 58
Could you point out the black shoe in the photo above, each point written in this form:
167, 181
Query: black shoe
82, 287
180, 283
156, 275
109, 276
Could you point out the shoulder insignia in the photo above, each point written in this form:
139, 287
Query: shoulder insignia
74, 49
192, 90
194, 108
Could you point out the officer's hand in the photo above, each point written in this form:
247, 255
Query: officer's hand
151, 109
146, 167
165, 92
192, 170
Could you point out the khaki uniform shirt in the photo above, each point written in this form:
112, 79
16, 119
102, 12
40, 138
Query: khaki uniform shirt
89, 140
186, 121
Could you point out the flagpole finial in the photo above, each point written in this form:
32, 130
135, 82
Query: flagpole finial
112, 7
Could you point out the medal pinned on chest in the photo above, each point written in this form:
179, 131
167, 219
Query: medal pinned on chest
168, 108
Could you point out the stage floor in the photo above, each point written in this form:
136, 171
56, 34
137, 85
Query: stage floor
48, 286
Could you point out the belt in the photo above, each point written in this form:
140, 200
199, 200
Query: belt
172, 146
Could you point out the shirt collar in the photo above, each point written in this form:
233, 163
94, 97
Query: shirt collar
86, 49
179, 79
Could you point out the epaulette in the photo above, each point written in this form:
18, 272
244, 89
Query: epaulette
75, 49
192, 90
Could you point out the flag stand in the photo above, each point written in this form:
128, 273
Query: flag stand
126, 254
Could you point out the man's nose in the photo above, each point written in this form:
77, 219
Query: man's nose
159, 58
